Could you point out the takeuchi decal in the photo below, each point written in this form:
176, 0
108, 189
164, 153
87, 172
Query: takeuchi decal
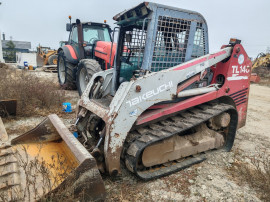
149, 94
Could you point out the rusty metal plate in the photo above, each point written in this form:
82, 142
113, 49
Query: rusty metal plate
8, 107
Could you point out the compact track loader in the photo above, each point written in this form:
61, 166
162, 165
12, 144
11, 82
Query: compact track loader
166, 102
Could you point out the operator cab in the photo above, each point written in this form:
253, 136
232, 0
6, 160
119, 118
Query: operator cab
155, 37
91, 33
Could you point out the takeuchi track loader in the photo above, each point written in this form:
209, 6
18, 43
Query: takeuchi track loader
166, 102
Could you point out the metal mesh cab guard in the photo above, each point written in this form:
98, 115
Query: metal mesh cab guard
155, 37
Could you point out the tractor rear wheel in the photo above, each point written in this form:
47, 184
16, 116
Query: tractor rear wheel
65, 70
87, 68
52, 60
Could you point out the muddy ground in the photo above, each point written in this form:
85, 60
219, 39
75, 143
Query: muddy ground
210, 180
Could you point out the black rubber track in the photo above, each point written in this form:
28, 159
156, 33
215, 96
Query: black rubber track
143, 137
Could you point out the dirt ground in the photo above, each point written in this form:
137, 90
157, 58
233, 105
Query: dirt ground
208, 181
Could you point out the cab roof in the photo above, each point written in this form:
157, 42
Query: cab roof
144, 9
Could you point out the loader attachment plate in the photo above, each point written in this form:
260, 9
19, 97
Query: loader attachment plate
50, 163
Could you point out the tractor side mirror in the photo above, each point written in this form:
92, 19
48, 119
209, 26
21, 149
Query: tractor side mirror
68, 27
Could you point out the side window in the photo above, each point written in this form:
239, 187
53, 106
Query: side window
170, 43
199, 42
90, 34
107, 36
74, 35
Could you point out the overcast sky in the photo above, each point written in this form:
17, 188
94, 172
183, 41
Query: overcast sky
44, 21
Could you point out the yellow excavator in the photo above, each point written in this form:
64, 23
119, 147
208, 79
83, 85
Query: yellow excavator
262, 60
260, 67
48, 55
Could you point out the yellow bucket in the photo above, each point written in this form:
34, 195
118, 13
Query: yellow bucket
50, 162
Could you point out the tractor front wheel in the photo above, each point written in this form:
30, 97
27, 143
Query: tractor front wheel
65, 72
86, 69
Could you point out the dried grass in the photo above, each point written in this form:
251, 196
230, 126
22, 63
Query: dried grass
34, 95
3, 65
255, 171
265, 82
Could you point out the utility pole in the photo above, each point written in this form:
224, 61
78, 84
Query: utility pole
1, 51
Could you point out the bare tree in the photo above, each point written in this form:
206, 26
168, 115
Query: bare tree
268, 49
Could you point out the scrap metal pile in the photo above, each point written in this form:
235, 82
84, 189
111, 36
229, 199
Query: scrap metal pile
261, 67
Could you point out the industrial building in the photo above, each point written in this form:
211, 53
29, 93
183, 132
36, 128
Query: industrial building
20, 46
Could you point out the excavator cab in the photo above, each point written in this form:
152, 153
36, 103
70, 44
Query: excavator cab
154, 38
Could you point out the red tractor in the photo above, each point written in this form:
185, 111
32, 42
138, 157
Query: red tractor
90, 49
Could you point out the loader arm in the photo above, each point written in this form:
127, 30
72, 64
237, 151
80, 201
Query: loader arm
130, 102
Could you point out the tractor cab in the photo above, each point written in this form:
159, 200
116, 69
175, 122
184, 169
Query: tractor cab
89, 49
84, 36
155, 37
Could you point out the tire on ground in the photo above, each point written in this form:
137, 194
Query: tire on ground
89, 67
65, 71
52, 60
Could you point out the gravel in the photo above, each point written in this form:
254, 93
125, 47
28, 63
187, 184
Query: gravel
209, 180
